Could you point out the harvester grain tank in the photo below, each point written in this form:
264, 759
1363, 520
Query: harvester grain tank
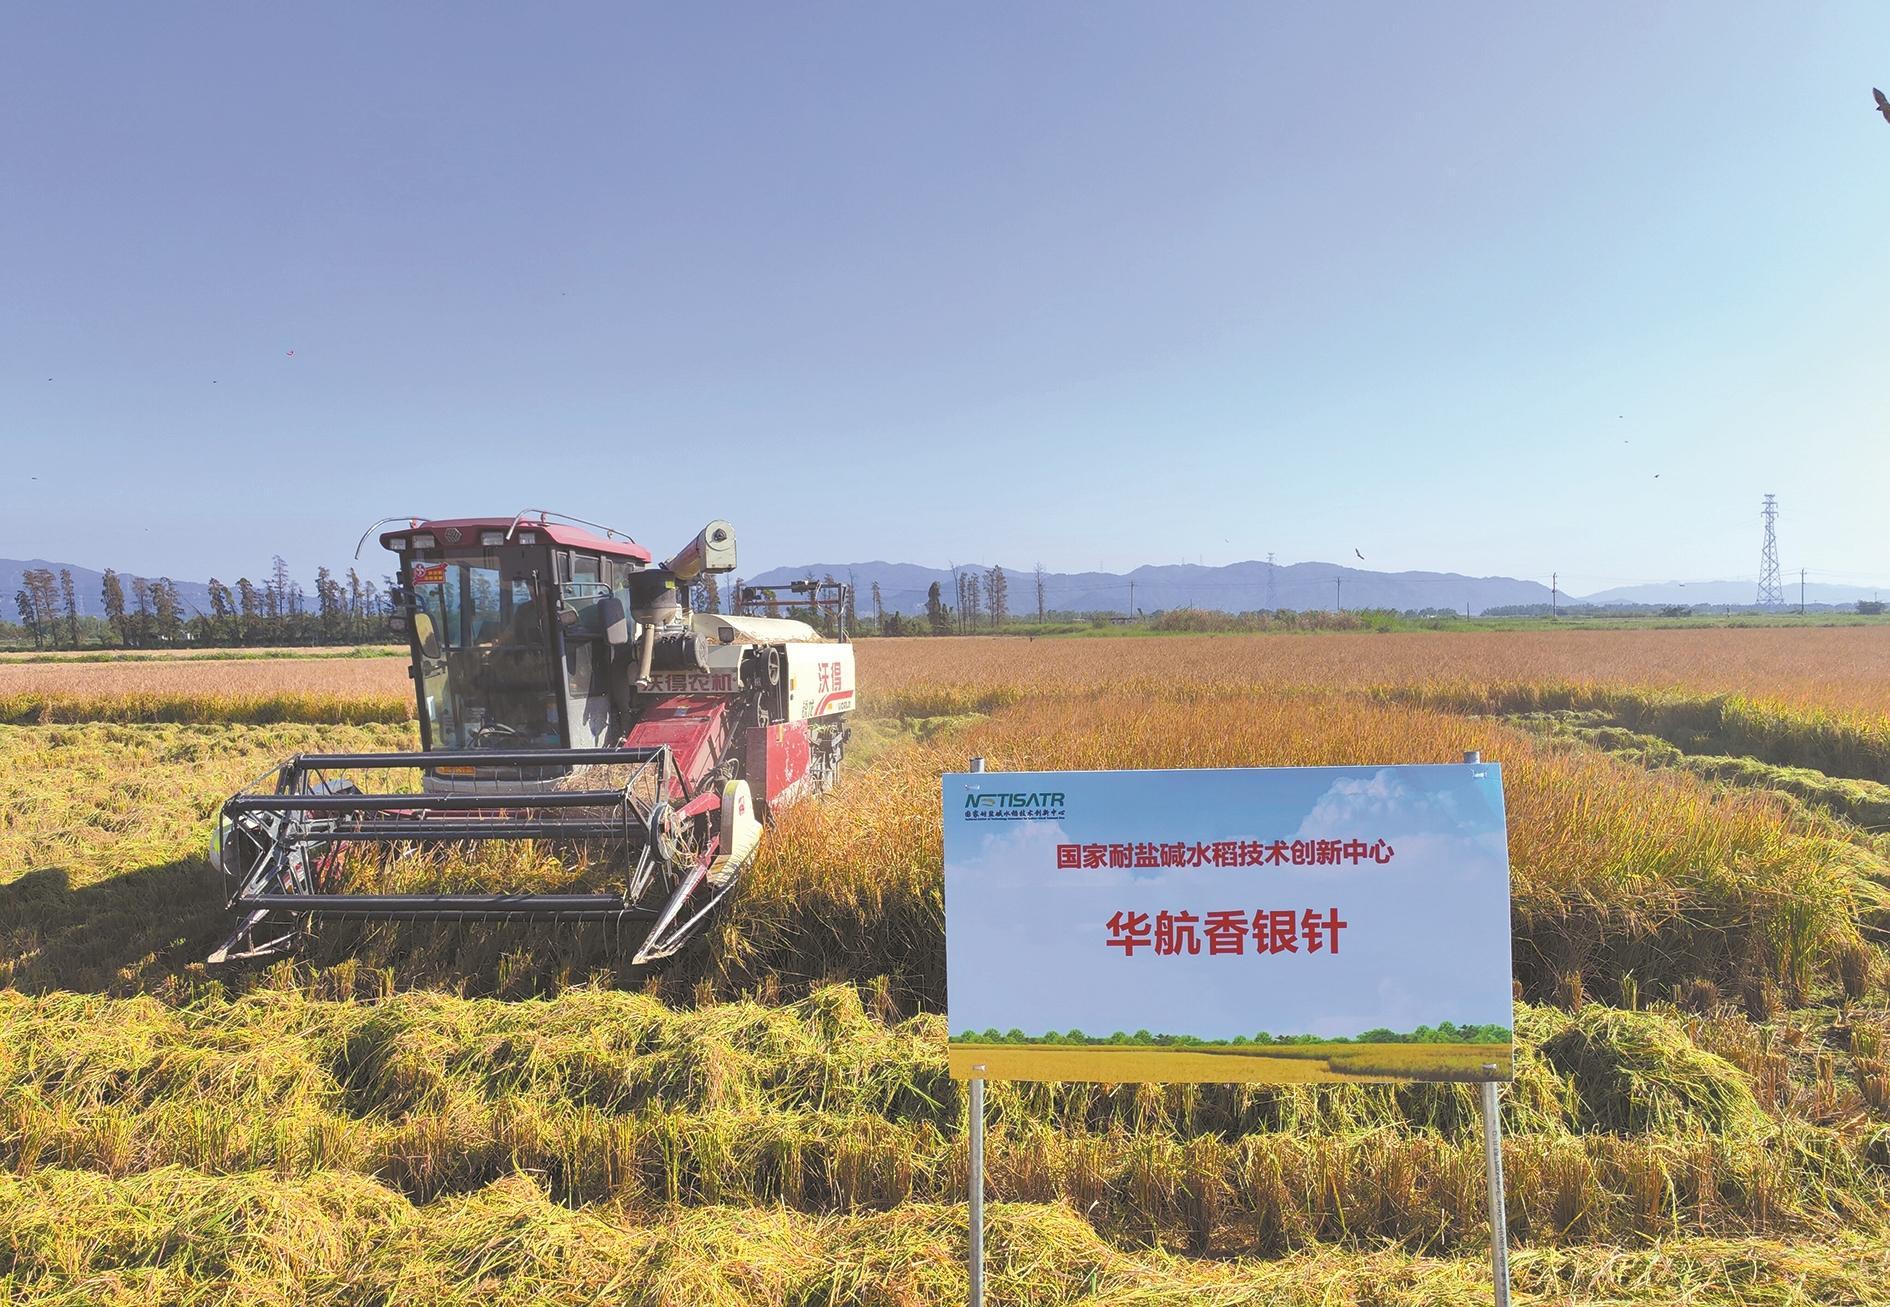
571, 701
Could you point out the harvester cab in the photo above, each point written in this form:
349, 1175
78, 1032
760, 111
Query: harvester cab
579, 707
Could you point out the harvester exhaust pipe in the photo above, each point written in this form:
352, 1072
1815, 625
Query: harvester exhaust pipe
646, 652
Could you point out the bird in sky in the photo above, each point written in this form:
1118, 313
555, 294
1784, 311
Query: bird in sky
1883, 103
1361, 557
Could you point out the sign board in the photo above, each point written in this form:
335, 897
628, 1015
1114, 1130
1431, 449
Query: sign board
1290, 925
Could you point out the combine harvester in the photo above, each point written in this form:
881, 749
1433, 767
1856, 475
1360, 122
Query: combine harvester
568, 696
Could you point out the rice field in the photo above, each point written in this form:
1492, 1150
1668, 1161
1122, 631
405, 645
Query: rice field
1835, 670
1701, 1112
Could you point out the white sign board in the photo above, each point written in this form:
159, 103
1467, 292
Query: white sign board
1251, 924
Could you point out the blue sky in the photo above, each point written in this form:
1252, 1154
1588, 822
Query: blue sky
1426, 937
1088, 284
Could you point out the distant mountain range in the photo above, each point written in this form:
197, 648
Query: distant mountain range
1736, 593
1235, 587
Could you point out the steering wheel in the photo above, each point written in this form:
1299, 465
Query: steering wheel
495, 728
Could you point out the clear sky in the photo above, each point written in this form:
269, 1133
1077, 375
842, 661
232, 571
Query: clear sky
1480, 287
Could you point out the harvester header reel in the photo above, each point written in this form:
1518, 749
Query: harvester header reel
308, 841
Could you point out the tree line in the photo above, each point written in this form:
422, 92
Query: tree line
1444, 1032
144, 613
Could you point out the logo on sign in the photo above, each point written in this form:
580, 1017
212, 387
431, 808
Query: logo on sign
1014, 806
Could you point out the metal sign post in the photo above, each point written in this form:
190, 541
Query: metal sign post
1493, 1166
1493, 1161
976, 1296
1128, 934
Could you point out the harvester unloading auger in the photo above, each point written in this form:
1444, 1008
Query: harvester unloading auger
572, 701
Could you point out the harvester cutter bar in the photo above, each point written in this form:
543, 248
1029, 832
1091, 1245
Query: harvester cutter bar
564, 907
446, 832
420, 802
474, 758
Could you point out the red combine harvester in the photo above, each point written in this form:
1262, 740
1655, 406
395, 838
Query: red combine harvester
570, 697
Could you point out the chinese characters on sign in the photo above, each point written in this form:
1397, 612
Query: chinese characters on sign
1226, 931
1226, 853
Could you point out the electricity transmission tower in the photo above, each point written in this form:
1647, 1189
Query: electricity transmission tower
1771, 589
1272, 599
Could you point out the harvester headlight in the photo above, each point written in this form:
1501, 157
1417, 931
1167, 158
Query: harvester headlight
423, 541
528, 537
398, 544
491, 539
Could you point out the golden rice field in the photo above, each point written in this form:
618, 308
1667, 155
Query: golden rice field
1701, 1112
1837, 669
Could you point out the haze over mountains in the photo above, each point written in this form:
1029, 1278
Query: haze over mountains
1249, 586
1235, 587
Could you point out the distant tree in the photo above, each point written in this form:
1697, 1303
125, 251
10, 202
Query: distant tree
705, 597
42, 611
328, 604
935, 614
279, 584
970, 598
141, 611
1039, 579
222, 623
879, 611
829, 619
28, 617
997, 592
1870, 607
250, 607
167, 616
852, 606
112, 592
357, 611
70, 599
